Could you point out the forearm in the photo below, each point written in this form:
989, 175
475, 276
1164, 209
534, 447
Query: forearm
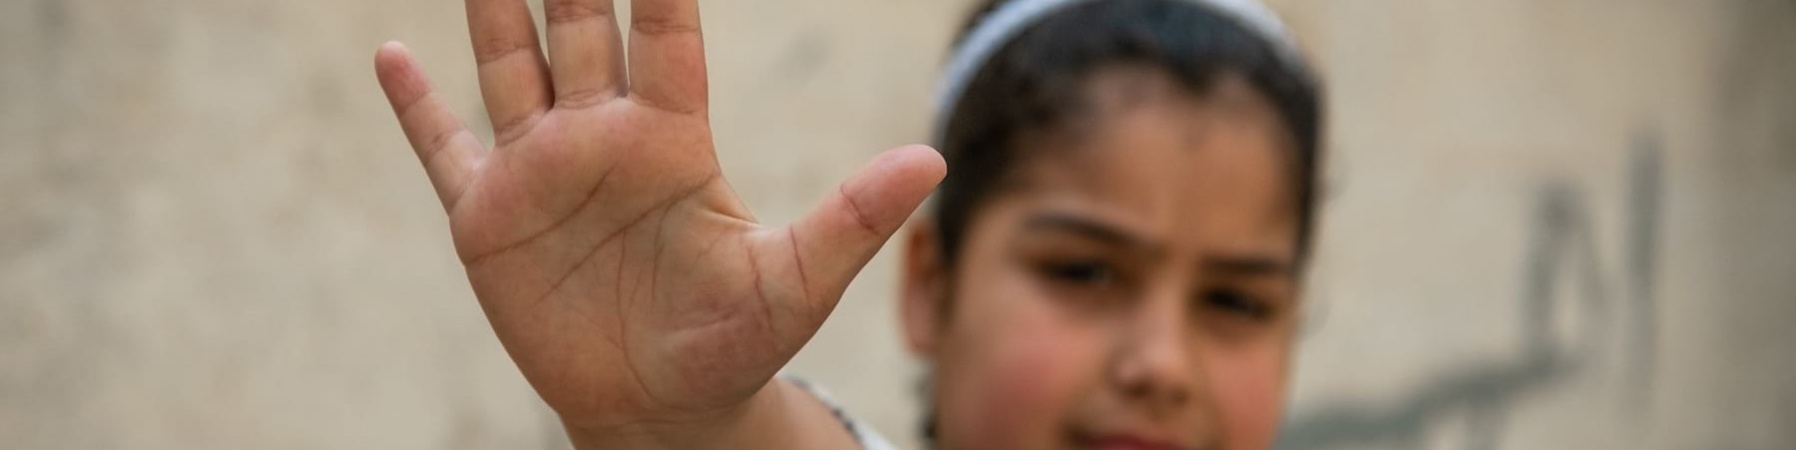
780, 416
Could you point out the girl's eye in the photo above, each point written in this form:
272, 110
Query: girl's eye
1236, 302
1091, 273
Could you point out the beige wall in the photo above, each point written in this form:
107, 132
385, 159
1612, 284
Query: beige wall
1552, 224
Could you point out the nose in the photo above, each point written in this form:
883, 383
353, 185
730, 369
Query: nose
1155, 363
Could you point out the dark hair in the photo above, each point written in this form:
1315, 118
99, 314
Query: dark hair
1035, 81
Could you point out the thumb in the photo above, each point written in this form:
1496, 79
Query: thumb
836, 239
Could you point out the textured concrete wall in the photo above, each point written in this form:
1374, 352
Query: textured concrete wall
1551, 224
1555, 225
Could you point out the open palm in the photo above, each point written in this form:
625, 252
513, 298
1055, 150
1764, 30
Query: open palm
615, 263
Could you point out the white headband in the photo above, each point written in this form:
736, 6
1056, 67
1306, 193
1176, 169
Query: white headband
1009, 20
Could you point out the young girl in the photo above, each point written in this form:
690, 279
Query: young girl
1112, 261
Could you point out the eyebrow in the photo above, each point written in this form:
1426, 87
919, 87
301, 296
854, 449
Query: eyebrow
1089, 228
1248, 264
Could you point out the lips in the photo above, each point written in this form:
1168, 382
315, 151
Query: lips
1124, 441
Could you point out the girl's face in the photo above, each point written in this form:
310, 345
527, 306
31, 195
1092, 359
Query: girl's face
1133, 287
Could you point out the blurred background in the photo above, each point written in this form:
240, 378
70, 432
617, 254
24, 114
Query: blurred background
1549, 223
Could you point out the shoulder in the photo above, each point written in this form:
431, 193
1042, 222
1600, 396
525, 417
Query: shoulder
869, 438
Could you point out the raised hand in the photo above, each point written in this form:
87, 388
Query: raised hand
616, 265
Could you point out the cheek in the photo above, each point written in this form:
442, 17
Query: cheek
1249, 390
1018, 367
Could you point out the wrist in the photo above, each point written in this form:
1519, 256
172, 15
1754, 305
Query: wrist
698, 432
779, 415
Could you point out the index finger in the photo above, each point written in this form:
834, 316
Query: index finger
667, 55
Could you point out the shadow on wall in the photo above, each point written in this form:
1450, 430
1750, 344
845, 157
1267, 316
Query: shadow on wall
1612, 320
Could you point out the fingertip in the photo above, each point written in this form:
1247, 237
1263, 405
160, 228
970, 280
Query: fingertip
390, 58
392, 46
918, 168
925, 160
892, 186
399, 75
